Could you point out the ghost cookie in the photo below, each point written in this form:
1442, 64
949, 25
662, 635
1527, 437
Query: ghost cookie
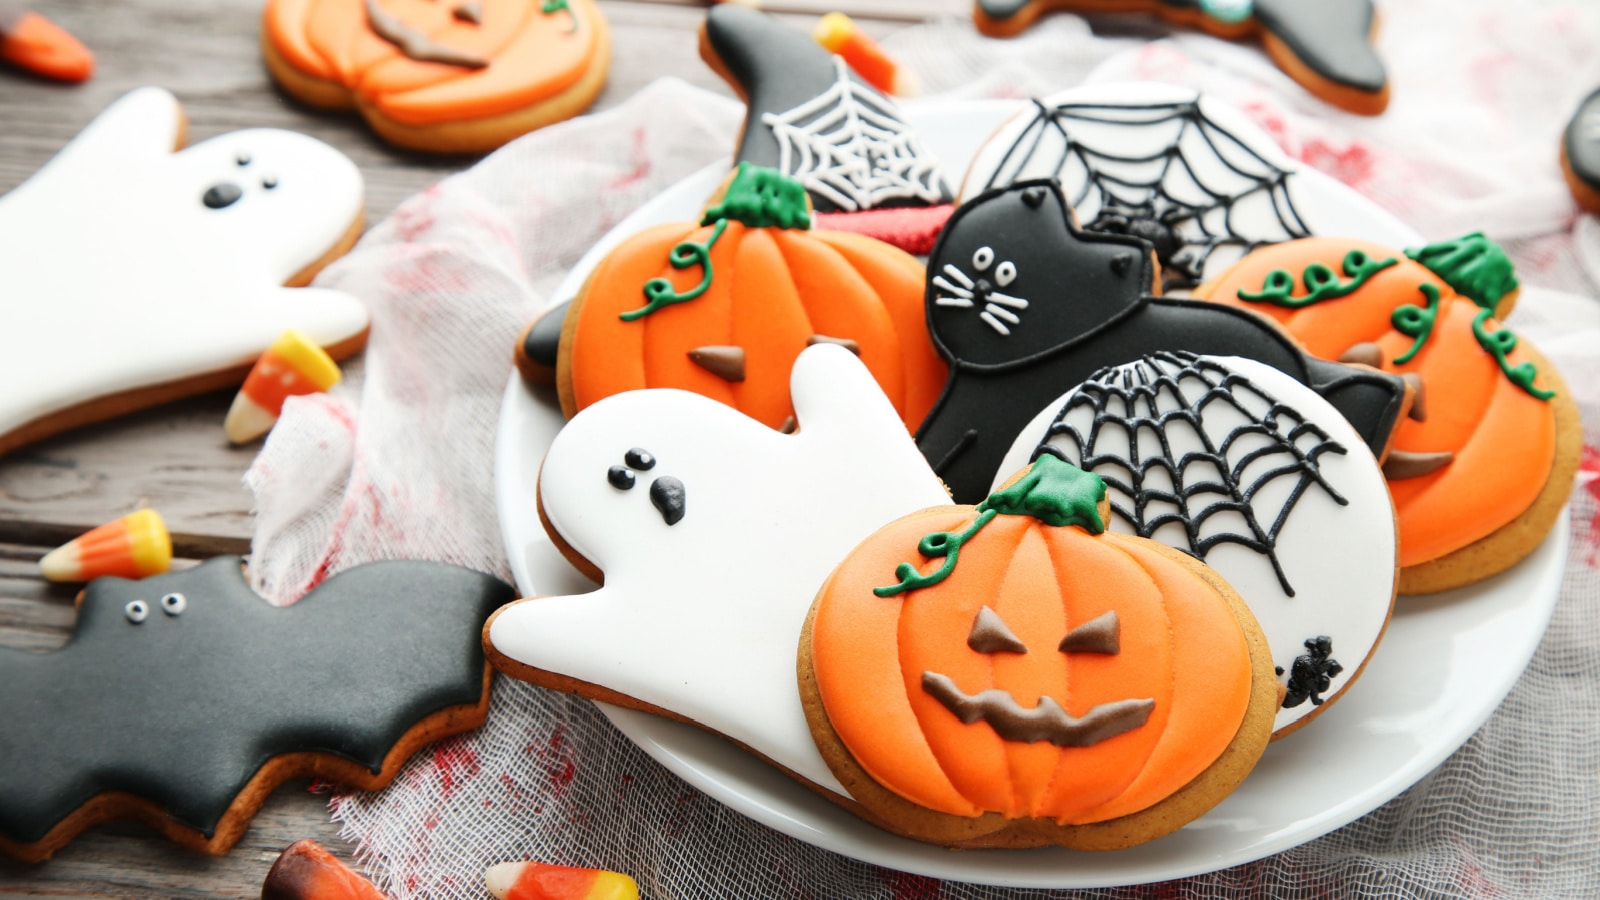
183, 700
1239, 465
724, 307
1431, 315
1324, 45
451, 76
1580, 153
712, 533
136, 275
1024, 305
1012, 675
815, 120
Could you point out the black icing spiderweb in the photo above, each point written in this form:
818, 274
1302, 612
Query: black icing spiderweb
1165, 172
1165, 463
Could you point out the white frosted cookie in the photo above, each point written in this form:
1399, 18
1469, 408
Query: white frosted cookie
713, 533
1242, 466
135, 274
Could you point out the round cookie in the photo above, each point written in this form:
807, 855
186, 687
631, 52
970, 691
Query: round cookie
1464, 513
1324, 45
1243, 467
1580, 153
455, 76
1045, 683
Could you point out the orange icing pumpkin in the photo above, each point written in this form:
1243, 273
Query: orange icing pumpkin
1041, 669
455, 75
724, 308
1448, 471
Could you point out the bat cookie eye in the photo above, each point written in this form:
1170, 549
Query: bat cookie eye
1006, 273
136, 611
620, 478
174, 604
982, 259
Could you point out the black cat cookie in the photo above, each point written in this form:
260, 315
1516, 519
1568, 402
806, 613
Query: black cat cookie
183, 700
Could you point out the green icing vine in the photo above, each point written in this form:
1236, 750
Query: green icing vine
1416, 322
659, 291
1476, 267
1320, 281
1500, 343
762, 198
550, 7
1053, 491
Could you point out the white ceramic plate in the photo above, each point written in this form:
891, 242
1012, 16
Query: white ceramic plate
1444, 666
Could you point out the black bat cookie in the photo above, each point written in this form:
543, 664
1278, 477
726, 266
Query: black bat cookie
184, 699
1025, 306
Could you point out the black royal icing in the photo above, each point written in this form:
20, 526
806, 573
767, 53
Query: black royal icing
1582, 141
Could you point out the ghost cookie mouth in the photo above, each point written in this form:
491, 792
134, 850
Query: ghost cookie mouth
1047, 721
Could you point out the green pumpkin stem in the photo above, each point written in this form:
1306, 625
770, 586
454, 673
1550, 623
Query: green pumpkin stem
762, 198
1474, 266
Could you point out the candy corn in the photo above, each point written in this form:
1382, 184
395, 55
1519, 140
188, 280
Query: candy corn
293, 365
306, 871
133, 546
840, 35
539, 881
32, 42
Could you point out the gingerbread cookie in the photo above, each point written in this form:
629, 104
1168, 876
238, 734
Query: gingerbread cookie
817, 121
712, 533
1324, 45
1580, 153
1239, 465
136, 275
1024, 306
1011, 675
1464, 514
453, 76
723, 308
183, 700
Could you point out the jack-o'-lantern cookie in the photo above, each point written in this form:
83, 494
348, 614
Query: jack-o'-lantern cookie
1465, 513
723, 308
450, 76
1012, 675
1324, 45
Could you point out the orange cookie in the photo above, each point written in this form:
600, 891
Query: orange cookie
451, 76
1466, 511
1044, 682
724, 308
1325, 45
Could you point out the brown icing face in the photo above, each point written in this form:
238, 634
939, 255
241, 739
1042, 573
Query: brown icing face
1047, 720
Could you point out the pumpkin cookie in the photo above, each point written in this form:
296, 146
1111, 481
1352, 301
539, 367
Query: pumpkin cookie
1324, 45
452, 76
723, 308
1464, 513
1010, 675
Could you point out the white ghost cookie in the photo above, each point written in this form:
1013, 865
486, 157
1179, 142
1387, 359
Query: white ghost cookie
135, 274
1236, 463
713, 533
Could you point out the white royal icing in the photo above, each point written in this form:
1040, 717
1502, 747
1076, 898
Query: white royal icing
117, 276
703, 618
1338, 559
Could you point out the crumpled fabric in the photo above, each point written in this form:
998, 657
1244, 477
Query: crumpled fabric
397, 460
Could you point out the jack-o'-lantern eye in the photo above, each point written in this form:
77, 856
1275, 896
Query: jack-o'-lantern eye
990, 634
1101, 634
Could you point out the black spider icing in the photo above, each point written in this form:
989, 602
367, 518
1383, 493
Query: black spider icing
1312, 673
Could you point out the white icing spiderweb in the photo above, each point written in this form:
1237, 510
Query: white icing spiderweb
847, 144
1183, 442
1162, 171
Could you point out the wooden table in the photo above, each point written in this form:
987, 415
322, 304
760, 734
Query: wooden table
175, 458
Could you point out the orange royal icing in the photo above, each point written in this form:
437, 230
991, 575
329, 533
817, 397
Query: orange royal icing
1180, 646
1473, 410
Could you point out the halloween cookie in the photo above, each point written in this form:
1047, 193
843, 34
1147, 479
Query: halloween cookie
451, 76
1024, 306
707, 528
723, 308
1189, 173
1324, 45
1464, 513
1011, 675
183, 700
136, 275
305, 870
1580, 153
1239, 465
815, 120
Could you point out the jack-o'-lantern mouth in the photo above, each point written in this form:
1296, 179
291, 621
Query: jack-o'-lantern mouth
1045, 722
